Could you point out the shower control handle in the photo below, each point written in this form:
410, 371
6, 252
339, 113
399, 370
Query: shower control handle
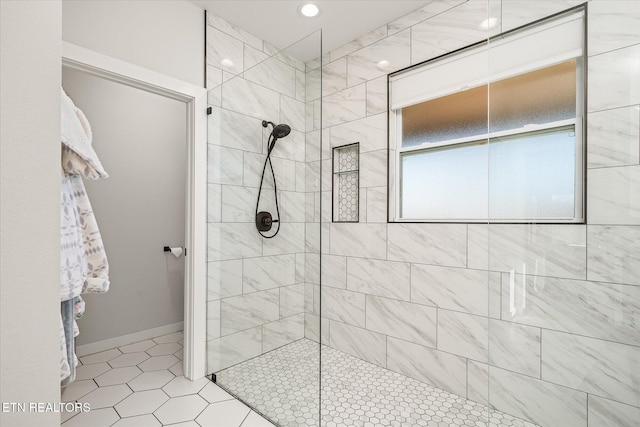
264, 221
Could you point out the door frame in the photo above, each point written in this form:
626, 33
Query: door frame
195, 98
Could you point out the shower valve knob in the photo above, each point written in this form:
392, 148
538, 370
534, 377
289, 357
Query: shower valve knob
264, 221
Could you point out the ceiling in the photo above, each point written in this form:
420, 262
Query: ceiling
278, 22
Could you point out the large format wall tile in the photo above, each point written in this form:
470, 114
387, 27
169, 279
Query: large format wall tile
603, 368
282, 332
232, 241
614, 137
292, 113
613, 79
358, 342
516, 13
477, 382
360, 240
291, 300
290, 239
232, 30
344, 306
214, 202
543, 403
312, 327
600, 310
344, 106
425, 364
383, 278
249, 310
607, 413
268, 272
249, 98
544, 250
232, 349
364, 40
290, 148
234, 130
253, 57
238, 203
274, 74
363, 63
224, 165
439, 244
373, 169
370, 132
463, 334
457, 27
431, 9
213, 320
613, 24
377, 96
514, 347
334, 78
292, 206
222, 47
455, 289
334, 271
224, 279
312, 268
376, 204
252, 171
614, 254
411, 322
613, 195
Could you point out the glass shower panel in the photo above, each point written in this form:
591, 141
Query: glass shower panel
564, 340
263, 288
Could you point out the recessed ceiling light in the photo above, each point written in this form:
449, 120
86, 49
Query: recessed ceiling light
382, 65
489, 23
309, 10
227, 62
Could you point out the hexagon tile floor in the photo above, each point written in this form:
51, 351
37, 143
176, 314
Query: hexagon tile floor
283, 385
141, 385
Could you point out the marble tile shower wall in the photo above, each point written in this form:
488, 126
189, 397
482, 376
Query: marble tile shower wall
445, 303
255, 285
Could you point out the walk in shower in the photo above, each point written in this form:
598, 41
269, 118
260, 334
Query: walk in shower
412, 280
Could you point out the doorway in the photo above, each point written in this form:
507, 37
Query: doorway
141, 138
193, 100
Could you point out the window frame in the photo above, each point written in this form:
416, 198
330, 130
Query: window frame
396, 151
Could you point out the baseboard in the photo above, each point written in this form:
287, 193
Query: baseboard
95, 347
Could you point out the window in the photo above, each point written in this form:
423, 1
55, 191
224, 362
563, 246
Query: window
493, 132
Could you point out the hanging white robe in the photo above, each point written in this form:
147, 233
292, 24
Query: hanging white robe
83, 261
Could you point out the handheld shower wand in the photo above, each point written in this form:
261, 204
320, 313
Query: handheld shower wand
264, 220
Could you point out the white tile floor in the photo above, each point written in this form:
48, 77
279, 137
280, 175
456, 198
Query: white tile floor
141, 385
283, 385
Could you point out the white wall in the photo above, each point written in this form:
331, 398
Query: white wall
141, 139
164, 36
30, 209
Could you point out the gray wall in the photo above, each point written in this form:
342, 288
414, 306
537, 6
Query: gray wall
141, 139
165, 36
431, 301
30, 210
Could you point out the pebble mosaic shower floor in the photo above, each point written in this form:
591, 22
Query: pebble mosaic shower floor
283, 385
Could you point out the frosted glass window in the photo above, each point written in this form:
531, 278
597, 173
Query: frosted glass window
507, 146
542, 96
533, 176
511, 178
448, 183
